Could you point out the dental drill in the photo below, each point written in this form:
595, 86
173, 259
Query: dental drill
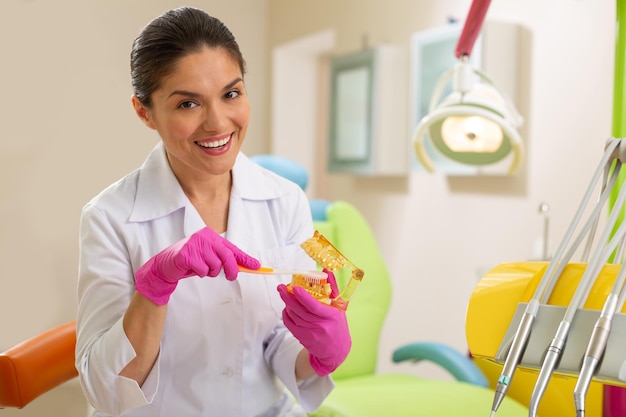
598, 340
545, 285
555, 349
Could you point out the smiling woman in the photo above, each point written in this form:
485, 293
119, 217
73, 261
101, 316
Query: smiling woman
198, 208
201, 113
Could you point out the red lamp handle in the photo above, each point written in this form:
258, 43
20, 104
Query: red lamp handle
471, 29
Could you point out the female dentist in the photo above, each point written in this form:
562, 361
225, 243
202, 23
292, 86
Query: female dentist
167, 325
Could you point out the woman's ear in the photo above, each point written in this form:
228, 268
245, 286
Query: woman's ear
142, 112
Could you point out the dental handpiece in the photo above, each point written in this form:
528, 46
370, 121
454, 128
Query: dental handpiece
550, 361
515, 354
555, 350
541, 295
598, 341
546, 284
595, 349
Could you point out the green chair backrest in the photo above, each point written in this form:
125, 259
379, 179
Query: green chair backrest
347, 229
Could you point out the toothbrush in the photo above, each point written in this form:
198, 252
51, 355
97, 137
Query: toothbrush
264, 270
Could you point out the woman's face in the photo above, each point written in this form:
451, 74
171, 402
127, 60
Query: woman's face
201, 112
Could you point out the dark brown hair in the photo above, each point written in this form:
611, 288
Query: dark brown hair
170, 37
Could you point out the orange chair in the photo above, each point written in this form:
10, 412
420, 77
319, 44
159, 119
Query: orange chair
37, 365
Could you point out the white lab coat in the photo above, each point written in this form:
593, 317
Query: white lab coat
225, 351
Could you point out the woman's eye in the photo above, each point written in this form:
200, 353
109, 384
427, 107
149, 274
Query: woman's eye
187, 105
232, 94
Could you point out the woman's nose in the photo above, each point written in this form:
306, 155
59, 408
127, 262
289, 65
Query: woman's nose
214, 118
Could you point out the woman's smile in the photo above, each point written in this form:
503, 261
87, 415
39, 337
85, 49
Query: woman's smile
217, 142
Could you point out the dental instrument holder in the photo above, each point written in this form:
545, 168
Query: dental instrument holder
326, 255
612, 367
548, 318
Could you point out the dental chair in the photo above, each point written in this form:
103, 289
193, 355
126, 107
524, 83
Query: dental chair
37, 365
360, 390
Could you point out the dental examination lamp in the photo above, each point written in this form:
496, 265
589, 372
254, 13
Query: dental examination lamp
476, 124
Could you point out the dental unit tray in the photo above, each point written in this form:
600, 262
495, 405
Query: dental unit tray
561, 317
612, 369
500, 298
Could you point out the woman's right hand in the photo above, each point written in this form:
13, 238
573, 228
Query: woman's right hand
204, 253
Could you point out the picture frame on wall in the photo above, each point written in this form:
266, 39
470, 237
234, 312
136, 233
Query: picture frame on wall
350, 135
367, 125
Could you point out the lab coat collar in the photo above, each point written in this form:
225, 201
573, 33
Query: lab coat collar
159, 192
251, 183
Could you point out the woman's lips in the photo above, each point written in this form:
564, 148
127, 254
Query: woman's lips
216, 143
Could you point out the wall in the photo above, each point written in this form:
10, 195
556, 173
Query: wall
68, 130
439, 234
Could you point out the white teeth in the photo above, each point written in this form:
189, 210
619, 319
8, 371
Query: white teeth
215, 144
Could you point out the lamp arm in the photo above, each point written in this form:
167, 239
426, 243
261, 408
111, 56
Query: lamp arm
517, 118
471, 28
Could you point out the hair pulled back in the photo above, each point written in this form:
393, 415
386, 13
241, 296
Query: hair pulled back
170, 37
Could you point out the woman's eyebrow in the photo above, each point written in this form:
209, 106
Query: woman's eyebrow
232, 83
185, 93
196, 95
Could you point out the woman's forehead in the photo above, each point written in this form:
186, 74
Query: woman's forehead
209, 67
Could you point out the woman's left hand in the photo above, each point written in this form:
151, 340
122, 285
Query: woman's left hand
322, 329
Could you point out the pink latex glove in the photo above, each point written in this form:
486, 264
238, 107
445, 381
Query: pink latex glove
204, 253
322, 329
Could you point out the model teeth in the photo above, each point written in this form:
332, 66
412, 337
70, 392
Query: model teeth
215, 144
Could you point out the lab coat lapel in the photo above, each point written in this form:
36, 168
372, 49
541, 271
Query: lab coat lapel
193, 222
158, 192
240, 226
248, 189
